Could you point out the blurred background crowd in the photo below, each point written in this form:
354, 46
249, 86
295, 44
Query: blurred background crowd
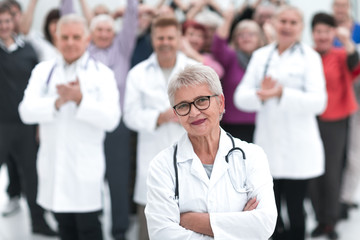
267, 47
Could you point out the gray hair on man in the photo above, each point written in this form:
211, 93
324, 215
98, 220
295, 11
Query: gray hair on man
100, 19
72, 18
194, 75
286, 8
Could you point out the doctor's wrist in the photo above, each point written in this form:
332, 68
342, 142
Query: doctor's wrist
58, 103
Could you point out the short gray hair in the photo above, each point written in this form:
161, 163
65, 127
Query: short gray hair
102, 18
194, 75
251, 25
72, 18
286, 8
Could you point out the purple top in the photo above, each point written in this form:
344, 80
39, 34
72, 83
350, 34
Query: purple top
118, 55
211, 62
233, 74
66, 7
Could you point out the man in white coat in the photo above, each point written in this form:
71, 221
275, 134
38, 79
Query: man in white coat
75, 100
147, 109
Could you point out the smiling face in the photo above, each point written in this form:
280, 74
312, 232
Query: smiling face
288, 25
103, 34
72, 41
247, 40
196, 38
323, 36
200, 122
165, 42
341, 10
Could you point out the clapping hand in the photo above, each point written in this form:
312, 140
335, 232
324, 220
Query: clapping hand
269, 89
68, 92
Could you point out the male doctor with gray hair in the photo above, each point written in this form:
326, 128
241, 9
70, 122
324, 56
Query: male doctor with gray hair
75, 101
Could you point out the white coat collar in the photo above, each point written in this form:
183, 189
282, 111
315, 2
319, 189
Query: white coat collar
81, 62
186, 150
186, 153
153, 61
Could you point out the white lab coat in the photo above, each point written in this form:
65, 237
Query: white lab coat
216, 196
287, 128
145, 98
71, 158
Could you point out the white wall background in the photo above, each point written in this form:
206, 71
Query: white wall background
309, 7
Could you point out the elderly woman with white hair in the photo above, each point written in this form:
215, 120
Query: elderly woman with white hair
284, 83
234, 58
209, 185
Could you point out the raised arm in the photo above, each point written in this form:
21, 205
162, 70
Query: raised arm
160, 3
195, 9
224, 30
125, 39
344, 36
86, 10
181, 5
66, 7
215, 6
220, 49
28, 17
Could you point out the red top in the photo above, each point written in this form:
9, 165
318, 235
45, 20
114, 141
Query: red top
356, 71
339, 85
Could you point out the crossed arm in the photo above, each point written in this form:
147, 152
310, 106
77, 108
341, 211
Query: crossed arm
200, 222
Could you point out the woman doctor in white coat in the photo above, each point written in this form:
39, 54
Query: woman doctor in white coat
284, 83
208, 185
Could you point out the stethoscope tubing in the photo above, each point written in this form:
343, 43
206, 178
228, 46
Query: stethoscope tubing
176, 197
54, 66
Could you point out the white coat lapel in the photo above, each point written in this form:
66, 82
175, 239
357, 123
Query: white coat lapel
220, 165
197, 169
157, 80
186, 154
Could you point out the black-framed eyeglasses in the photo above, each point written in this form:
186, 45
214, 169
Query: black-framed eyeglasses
201, 103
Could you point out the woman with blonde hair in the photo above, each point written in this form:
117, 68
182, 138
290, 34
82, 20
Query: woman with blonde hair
234, 58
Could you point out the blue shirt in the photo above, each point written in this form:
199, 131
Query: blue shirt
355, 35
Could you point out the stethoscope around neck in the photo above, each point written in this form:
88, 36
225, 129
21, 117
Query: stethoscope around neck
292, 49
238, 184
48, 79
